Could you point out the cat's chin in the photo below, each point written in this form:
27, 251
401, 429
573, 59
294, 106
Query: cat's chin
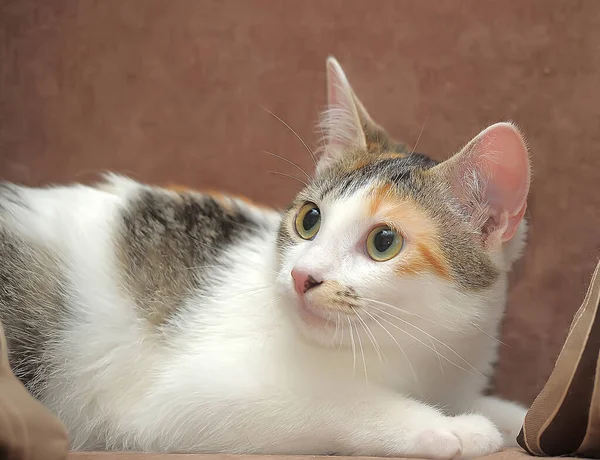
311, 324
312, 317
314, 323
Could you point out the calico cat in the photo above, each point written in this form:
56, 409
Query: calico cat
362, 320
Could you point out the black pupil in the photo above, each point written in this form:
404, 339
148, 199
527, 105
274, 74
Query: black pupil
383, 240
311, 218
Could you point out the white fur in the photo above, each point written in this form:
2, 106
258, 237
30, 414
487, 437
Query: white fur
243, 374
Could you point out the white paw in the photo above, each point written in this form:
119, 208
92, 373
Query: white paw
508, 417
436, 443
460, 437
478, 435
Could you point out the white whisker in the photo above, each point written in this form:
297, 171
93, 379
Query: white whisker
401, 310
432, 337
290, 176
423, 343
353, 347
337, 327
472, 323
372, 338
410, 366
342, 329
362, 353
288, 161
308, 149
420, 133
438, 356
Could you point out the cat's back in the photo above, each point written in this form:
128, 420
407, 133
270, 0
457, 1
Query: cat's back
84, 269
44, 234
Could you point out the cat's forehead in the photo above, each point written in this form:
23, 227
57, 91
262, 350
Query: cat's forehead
377, 202
363, 174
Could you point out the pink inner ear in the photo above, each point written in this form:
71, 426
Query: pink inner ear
498, 158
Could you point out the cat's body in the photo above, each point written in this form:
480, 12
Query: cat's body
152, 319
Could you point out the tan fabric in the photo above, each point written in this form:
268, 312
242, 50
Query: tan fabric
565, 417
27, 430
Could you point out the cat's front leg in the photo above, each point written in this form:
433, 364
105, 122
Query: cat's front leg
418, 430
377, 426
508, 416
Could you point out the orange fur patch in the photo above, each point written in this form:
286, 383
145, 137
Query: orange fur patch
423, 252
380, 196
363, 161
222, 198
430, 259
179, 188
250, 202
219, 197
392, 156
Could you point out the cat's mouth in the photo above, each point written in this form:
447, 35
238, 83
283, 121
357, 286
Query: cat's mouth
326, 305
323, 315
313, 316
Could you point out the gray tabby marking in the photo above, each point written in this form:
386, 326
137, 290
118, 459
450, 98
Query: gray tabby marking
170, 244
9, 194
33, 307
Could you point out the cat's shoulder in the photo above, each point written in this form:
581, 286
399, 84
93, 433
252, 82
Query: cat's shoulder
170, 241
141, 211
160, 244
177, 205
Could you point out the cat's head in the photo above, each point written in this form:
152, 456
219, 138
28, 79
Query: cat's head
382, 237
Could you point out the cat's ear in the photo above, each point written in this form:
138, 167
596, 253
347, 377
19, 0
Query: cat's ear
368, 124
341, 121
340, 95
490, 178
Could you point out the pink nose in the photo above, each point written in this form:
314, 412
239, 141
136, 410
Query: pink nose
303, 281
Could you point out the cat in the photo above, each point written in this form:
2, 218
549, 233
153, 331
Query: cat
361, 320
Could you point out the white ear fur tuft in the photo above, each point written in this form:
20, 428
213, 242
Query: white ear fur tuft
490, 177
341, 121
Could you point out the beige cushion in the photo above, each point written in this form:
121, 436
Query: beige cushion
565, 417
28, 431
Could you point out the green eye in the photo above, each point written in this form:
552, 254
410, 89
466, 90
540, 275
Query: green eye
383, 243
308, 221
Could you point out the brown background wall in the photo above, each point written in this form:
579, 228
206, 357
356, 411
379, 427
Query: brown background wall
171, 91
